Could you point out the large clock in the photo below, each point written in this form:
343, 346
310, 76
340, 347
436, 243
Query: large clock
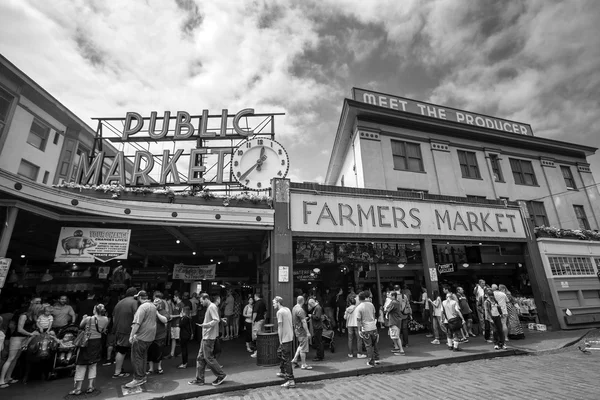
256, 161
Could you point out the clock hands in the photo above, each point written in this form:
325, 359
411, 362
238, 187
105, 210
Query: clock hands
259, 162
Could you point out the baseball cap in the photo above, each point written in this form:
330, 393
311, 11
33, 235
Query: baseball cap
141, 294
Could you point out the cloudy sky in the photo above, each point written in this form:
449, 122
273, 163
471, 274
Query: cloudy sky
534, 61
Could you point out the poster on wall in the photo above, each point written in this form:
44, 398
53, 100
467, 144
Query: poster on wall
445, 268
194, 272
89, 244
4, 267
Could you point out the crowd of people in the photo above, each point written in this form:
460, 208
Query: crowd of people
150, 327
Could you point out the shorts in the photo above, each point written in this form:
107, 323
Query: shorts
303, 344
230, 319
394, 332
122, 340
467, 317
15, 343
256, 328
111, 339
175, 332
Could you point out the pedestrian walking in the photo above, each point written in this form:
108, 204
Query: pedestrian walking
259, 312
89, 356
155, 352
367, 325
438, 325
176, 307
493, 312
316, 316
285, 331
394, 316
122, 320
210, 332
453, 320
248, 324
302, 333
186, 326
143, 333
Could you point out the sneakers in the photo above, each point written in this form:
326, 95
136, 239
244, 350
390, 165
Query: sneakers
306, 366
219, 380
253, 355
280, 375
490, 341
451, 348
196, 382
350, 356
435, 341
377, 362
135, 383
361, 356
289, 385
429, 335
370, 364
496, 347
504, 347
182, 366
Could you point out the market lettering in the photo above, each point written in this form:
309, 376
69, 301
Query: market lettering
362, 213
326, 213
343, 216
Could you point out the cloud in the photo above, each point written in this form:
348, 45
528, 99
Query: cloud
534, 62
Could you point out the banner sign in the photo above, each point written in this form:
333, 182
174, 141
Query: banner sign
89, 244
438, 112
353, 215
445, 268
4, 267
194, 272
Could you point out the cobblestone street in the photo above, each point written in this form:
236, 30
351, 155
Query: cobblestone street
564, 374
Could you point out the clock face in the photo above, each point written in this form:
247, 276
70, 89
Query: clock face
256, 161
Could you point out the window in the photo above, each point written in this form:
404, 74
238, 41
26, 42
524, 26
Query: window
571, 266
468, 164
523, 172
28, 170
581, 217
407, 156
46, 176
5, 102
569, 181
538, 213
38, 135
412, 190
475, 198
496, 170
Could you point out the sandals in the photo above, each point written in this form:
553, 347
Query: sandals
90, 390
4, 386
75, 392
121, 375
160, 372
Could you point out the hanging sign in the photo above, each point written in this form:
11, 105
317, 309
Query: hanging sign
90, 244
445, 268
194, 272
4, 267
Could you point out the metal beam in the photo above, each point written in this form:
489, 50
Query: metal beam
182, 237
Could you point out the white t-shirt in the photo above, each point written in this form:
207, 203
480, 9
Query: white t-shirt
284, 321
451, 308
366, 313
424, 299
351, 322
437, 310
502, 300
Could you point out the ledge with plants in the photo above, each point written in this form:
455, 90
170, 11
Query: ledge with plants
168, 195
576, 234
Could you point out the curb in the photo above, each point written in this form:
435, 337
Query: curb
564, 346
350, 373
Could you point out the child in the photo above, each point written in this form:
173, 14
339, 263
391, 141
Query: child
186, 326
66, 347
44, 320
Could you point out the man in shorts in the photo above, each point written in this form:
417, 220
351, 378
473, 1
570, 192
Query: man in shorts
302, 333
175, 318
122, 320
394, 314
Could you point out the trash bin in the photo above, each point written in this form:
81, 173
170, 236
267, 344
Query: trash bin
267, 343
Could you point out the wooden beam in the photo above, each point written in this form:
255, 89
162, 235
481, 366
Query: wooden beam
177, 234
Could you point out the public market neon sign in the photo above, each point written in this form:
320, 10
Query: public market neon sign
184, 129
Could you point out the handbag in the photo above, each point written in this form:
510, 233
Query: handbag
83, 336
455, 323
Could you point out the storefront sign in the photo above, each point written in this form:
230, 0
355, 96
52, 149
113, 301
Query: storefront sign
194, 272
306, 274
90, 244
438, 112
445, 268
352, 215
4, 267
284, 273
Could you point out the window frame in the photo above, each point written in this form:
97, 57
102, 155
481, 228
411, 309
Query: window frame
44, 138
582, 219
467, 165
533, 213
520, 173
496, 168
35, 167
406, 157
570, 185
573, 264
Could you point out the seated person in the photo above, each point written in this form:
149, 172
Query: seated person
66, 347
44, 320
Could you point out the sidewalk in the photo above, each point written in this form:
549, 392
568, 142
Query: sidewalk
243, 373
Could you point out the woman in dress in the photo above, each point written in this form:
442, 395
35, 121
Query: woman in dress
89, 356
515, 330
